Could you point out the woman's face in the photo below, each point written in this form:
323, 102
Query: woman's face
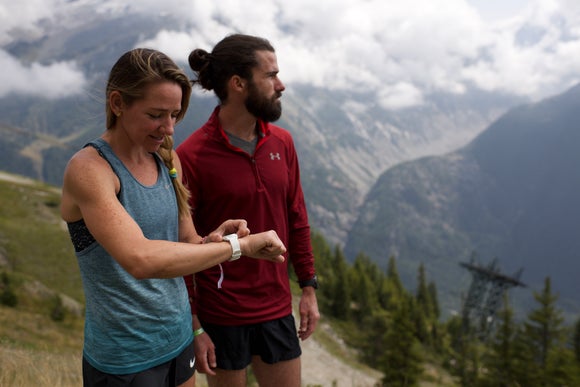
148, 120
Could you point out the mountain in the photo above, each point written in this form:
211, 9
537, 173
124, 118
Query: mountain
344, 140
511, 194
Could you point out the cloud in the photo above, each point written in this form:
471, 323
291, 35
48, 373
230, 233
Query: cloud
531, 54
60, 79
23, 20
403, 51
400, 51
18, 16
400, 95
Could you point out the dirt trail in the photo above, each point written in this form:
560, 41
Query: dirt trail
320, 368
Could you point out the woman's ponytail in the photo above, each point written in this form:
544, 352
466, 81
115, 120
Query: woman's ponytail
181, 192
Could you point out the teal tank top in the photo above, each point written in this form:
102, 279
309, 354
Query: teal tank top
132, 325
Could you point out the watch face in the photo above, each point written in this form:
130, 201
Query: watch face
233, 240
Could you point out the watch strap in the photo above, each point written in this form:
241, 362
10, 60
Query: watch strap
310, 282
235, 243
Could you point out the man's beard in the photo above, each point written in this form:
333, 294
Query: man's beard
266, 109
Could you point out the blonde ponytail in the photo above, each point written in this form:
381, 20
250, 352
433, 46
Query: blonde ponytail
181, 193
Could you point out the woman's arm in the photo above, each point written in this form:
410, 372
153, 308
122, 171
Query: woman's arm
89, 191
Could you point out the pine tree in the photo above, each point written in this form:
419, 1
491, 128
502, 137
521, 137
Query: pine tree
544, 334
421, 324
434, 300
401, 362
364, 291
454, 330
391, 292
562, 369
364, 263
464, 353
393, 275
469, 359
501, 362
322, 254
437, 336
423, 312
576, 341
374, 342
526, 370
324, 262
423, 296
364, 295
341, 300
575, 351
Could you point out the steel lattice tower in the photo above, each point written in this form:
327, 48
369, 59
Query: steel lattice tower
485, 294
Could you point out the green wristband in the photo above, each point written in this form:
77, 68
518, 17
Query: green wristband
198, 332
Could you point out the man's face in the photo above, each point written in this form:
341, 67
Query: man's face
265, 89
266, 108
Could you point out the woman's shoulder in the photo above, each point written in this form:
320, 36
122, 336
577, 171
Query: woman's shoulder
88, 166
87, 157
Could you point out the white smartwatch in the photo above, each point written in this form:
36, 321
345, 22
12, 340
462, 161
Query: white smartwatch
236, 251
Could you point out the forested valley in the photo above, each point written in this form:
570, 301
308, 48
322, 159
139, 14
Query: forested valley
397, 331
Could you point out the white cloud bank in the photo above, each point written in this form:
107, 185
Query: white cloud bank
401, 51
56, 80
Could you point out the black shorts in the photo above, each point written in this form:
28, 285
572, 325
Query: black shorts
273, 341
169, 374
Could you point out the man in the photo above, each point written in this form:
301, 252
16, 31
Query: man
239, 165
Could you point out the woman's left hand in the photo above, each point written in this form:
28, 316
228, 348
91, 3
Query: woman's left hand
230, 226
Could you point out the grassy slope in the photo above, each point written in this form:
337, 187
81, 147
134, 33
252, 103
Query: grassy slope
36, 252
37, 255
34, 239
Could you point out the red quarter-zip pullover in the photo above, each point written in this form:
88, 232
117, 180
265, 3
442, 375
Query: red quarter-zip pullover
263, 188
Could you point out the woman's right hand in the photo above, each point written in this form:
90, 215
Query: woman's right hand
265, 245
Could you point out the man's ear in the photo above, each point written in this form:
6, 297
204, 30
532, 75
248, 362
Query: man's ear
237, 83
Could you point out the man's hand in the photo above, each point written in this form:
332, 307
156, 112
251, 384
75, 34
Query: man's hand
309, 314
265, 245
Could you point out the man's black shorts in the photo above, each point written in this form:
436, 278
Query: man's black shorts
273, 341
169, 374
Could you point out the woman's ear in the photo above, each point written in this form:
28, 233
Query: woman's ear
116, 103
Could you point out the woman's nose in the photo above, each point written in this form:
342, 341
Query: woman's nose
169, 125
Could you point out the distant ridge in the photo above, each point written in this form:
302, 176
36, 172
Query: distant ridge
344, 139
511, 194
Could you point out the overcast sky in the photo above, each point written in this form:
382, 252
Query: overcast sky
402, 51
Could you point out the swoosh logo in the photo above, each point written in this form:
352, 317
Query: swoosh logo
191, 363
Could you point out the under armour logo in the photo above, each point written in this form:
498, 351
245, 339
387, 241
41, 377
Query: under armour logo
274, 156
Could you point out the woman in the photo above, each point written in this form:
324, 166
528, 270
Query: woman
127, 212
